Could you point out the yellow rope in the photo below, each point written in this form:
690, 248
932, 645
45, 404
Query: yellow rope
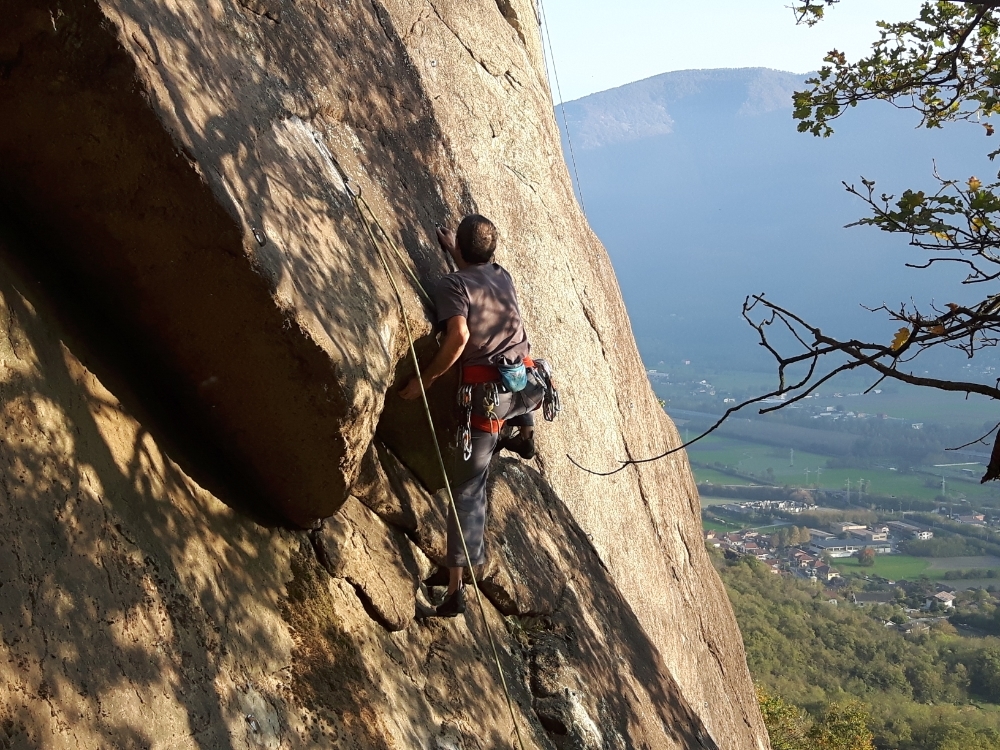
430, 421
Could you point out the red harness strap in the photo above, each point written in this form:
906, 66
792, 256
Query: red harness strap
486, 424
486, 373
476, 374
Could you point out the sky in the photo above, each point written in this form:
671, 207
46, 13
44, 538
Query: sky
597, 49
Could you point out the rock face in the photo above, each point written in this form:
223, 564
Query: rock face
200, 340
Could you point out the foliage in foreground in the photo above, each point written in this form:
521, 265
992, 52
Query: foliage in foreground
934, 691
843, 727
944, 65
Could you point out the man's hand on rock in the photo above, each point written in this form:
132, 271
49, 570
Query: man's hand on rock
446, 239
411, 390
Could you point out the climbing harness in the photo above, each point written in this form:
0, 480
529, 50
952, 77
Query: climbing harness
358, 201
492, 379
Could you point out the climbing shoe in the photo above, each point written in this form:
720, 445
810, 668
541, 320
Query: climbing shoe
453, 606
522, 446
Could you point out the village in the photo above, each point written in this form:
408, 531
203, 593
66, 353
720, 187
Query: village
810, 553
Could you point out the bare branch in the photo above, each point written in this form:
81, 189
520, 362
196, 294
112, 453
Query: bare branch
883, 359
625, 464
977, 440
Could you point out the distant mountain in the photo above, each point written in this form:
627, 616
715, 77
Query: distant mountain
643, 109
703, 192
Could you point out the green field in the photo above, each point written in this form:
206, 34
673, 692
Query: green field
895, 400
906, 566
725, 524
924, 405
758, 458
717, 477
708, 502
771, 527
965, 563
712, 525
892, 567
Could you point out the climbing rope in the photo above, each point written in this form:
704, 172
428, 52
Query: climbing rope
358, 202
544, 22
395, 248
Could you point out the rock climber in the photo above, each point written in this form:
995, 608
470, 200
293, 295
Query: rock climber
483, 333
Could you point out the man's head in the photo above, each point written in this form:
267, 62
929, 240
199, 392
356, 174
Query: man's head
476, 238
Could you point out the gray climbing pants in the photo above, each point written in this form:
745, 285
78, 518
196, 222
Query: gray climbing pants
468, 478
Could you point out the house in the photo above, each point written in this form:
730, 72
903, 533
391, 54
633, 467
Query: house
977, 519
908, 530
802, 559
834, 548
754, 550
845, 527
901, 528
944, 598
869, 535
872, 598
826, 573
914, 626
773, 564
848, 547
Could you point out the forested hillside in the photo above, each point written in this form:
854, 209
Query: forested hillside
933, 691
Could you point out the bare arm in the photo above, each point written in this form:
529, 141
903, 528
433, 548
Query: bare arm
455, 338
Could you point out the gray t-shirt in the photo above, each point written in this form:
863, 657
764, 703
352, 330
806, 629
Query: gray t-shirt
484, 295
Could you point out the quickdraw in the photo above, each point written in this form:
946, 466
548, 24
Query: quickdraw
464, 442
551, 405
491, 399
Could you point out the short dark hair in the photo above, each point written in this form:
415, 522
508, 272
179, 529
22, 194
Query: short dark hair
477, 239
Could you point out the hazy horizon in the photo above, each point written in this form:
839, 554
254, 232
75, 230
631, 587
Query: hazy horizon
703, 192
596, 51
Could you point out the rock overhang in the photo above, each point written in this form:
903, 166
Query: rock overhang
193, 218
